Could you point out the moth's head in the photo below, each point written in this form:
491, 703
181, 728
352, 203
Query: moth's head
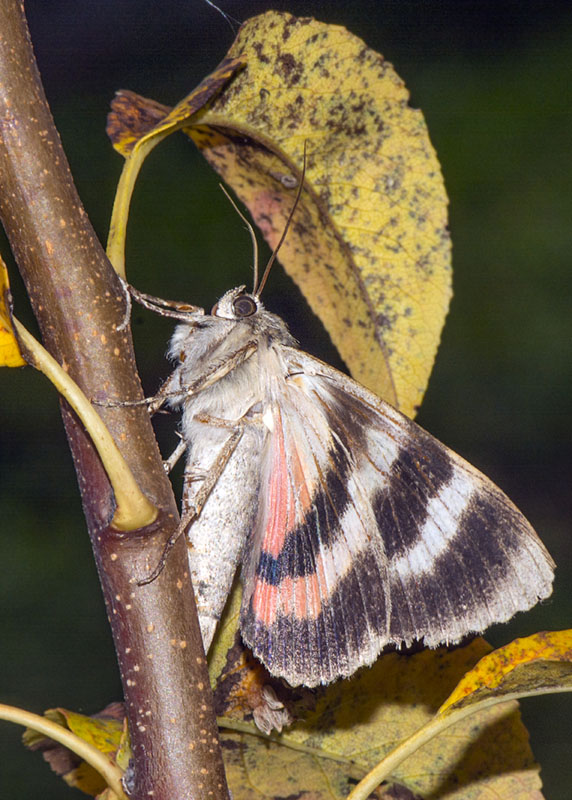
240, 306
237, 304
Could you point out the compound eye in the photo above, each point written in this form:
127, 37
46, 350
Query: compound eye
244, 306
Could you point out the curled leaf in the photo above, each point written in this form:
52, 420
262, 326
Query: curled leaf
535, 664
369, 245
134, 119
85, 753
137, 125
343, 731
105, 731
131, 118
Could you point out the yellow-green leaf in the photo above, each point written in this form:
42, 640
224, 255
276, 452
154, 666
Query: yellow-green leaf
369, 246
356, 723
107, 732
134, 119
535, 664
104, 731
10, 355
225, 634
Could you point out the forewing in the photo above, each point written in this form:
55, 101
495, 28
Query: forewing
371, 532
315, 580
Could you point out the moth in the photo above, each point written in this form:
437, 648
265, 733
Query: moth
355, 528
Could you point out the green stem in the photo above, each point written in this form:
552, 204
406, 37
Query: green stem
125, 187
434, 727
87, 752
133, 509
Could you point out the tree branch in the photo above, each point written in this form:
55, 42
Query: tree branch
79, 305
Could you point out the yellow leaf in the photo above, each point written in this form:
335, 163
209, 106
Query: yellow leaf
369, 246
354, 724
106, 732
137, 125
10, 355
103, 731
133, 119
225, 635
531, 665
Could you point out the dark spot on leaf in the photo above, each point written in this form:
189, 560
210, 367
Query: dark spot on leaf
290, 796
230, 744
383, 321
259, 50
289, 68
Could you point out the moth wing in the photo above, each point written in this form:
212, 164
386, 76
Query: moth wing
370, 532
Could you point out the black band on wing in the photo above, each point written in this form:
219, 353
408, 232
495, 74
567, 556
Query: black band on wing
313, 651
452, 594
418, 474
320, 527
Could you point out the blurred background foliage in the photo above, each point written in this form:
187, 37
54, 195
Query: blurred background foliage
494, 80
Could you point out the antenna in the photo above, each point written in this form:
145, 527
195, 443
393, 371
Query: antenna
227, 17
251, 232
272, 259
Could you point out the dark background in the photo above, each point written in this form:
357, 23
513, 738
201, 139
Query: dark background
494, 82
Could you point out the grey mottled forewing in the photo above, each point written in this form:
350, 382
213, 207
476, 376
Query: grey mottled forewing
407, 540
213, 410
216, 538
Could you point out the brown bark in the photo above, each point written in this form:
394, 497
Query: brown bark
79, 303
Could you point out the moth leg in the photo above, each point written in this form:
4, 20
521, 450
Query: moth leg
219, 371
193, 510
167, 390
170, 462
172, 387
165, 308
146, 401
210, 479
192, 475
219, 422
153, 403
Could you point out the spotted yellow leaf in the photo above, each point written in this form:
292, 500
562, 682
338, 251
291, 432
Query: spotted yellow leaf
535, 664
10, 355
106, 731
344, 730
369, 246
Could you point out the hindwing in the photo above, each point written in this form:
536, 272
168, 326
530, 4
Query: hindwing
370, 532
